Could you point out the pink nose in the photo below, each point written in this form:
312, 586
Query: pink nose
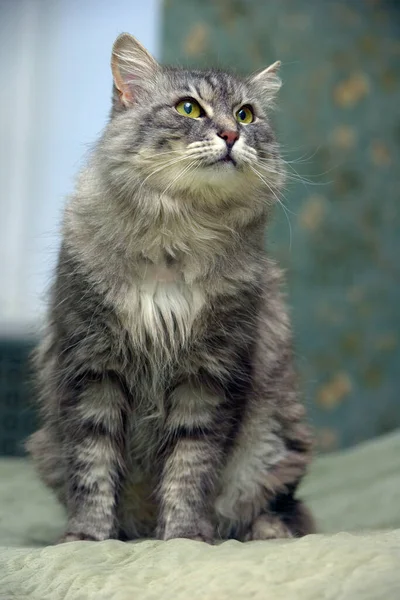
229, 136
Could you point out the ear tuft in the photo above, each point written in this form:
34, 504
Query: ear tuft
131, 65
274, 68
267, 82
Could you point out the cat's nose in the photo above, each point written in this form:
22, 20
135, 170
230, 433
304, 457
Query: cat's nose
229, 136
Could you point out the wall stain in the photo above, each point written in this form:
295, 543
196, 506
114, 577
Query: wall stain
347, 180
373, 376
332, 393
351, 343
312, 212
368, 45
387, 342
349, 92
327, 439
380, 154
389, 80
344, 137
196, 39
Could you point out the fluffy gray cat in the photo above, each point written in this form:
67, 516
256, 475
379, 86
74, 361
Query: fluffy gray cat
166, 382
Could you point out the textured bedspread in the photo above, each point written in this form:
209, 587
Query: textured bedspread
355, 496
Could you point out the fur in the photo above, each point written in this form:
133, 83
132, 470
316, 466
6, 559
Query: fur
166, 383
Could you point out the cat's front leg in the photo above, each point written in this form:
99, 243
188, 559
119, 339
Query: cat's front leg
269, 458
191, 465
93, 417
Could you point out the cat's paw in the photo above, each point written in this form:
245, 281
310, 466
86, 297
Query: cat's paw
76, 537
268, 527
201, 531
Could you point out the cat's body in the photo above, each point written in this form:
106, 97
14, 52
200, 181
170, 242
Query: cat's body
167, 389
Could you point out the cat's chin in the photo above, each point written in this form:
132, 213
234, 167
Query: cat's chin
225, 178
227, 161
219, 173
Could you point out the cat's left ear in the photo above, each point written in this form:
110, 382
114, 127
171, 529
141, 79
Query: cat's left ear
267, 82
131, 66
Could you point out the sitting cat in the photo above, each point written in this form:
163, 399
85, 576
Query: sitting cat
166, 382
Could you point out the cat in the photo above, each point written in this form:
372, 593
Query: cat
165, 378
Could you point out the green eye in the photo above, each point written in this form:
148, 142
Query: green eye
245, 115
189, 108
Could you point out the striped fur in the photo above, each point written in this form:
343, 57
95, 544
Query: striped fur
166, 384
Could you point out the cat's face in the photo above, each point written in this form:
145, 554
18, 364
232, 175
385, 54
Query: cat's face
190, 131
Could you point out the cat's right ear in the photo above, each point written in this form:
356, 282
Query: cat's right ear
131, 66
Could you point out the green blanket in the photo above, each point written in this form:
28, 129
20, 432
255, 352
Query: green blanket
355, 491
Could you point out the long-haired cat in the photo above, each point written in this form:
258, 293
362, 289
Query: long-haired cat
166, 382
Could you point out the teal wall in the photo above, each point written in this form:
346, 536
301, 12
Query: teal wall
18, 416
339, 120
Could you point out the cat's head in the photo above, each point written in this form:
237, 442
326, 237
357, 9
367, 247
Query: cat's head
182, 132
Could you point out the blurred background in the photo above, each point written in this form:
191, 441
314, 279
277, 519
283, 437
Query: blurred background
338, 120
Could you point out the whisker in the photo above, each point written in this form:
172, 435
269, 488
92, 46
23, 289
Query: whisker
293, 176
180, 174
284, 174
279, 201
116, 158
158, 154
167, 164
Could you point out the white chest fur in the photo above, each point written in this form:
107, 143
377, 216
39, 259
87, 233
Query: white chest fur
161, 306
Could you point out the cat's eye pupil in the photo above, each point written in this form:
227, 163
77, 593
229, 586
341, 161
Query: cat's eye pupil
189, 108
242, 114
